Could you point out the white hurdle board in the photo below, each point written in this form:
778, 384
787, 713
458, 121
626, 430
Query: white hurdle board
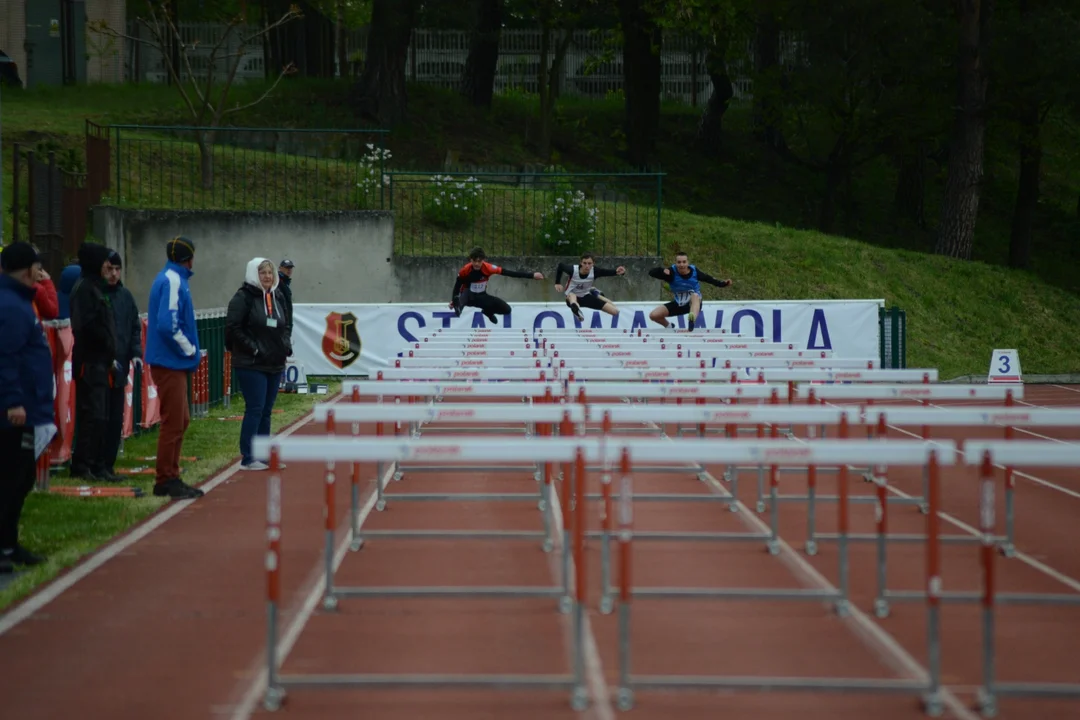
483, 374
705, 391
435, 361
964, 417
907, 392
858, 453
1017, 453
410, 388
751, 375
453, 413
698, 414
630, 344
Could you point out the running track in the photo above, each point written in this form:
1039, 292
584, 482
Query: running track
168, 622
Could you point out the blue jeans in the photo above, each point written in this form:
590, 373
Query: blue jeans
260, 391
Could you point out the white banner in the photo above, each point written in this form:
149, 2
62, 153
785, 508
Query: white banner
360, 339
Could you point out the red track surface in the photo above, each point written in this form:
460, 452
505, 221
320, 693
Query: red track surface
174, 627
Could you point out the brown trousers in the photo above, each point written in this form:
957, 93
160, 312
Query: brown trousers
172, 389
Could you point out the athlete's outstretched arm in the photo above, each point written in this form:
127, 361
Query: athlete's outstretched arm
707, 278
660, 273
562, 269
521, 274
607, 272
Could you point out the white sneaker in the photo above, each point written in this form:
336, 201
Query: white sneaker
255, 465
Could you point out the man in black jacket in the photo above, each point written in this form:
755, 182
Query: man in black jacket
93, 363
128, 350
285, 270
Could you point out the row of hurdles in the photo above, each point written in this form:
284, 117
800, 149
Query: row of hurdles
560, 450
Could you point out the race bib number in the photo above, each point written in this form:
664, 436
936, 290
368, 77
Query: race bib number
478, 287
683, 298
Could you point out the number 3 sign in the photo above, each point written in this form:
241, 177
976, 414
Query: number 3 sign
1005, 368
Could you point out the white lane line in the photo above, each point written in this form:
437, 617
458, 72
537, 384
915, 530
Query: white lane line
57, 587
600, 705
1063, 387
316, 578
865, 627
1062, 578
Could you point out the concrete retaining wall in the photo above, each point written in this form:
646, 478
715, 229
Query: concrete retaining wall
338, 255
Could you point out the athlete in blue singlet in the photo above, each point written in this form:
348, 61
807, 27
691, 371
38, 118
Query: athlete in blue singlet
684, 280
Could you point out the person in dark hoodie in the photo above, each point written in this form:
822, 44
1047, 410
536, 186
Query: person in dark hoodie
26, 396
128, 351
257, 333
285, 271
93, 363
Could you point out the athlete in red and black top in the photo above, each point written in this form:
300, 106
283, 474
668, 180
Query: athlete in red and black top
470, 286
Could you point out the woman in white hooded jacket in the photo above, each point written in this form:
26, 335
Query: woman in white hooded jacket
258, 336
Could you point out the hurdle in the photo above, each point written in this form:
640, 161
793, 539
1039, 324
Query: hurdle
1005, 418
1010, 453
356, 450
835, 452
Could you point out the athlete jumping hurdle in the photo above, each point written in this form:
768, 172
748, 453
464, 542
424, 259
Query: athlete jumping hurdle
580, 291
684, 280
470, 286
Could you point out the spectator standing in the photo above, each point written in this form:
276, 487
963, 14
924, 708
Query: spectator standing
93, 363
172, 352
26, 397
46, 303
128, 351
257, 333
68, 276
285, 271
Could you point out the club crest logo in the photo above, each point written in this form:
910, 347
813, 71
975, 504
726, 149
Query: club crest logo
341, 341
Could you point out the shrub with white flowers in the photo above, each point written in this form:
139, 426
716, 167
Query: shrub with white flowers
452, 203
372, 177
568, 226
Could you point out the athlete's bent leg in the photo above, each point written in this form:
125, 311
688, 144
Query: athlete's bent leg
575, 308
659, 316
608, 306
695, 310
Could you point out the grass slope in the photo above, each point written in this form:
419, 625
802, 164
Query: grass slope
745, 215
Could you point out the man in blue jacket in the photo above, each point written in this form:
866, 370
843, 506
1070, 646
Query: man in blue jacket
172, 353
26, 396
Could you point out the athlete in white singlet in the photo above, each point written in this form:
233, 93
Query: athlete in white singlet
580, 290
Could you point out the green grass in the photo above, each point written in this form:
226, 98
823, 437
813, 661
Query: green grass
66, 529
957, 312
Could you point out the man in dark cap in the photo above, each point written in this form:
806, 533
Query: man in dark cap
172, 353
285, 271
26, 397
128, 350
93, 363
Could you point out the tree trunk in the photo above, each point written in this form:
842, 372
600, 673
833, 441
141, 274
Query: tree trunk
478, 79
641, 80
379, 94
548, 83
765, 116
339, 39
205, 141
710, 129
837, 176
909, 201
1027, 193
960, 210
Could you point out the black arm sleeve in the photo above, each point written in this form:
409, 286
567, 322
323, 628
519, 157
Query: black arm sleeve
237, 337
658, 273
457, 287
707, 278
604, 272
517, 274
563, 268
